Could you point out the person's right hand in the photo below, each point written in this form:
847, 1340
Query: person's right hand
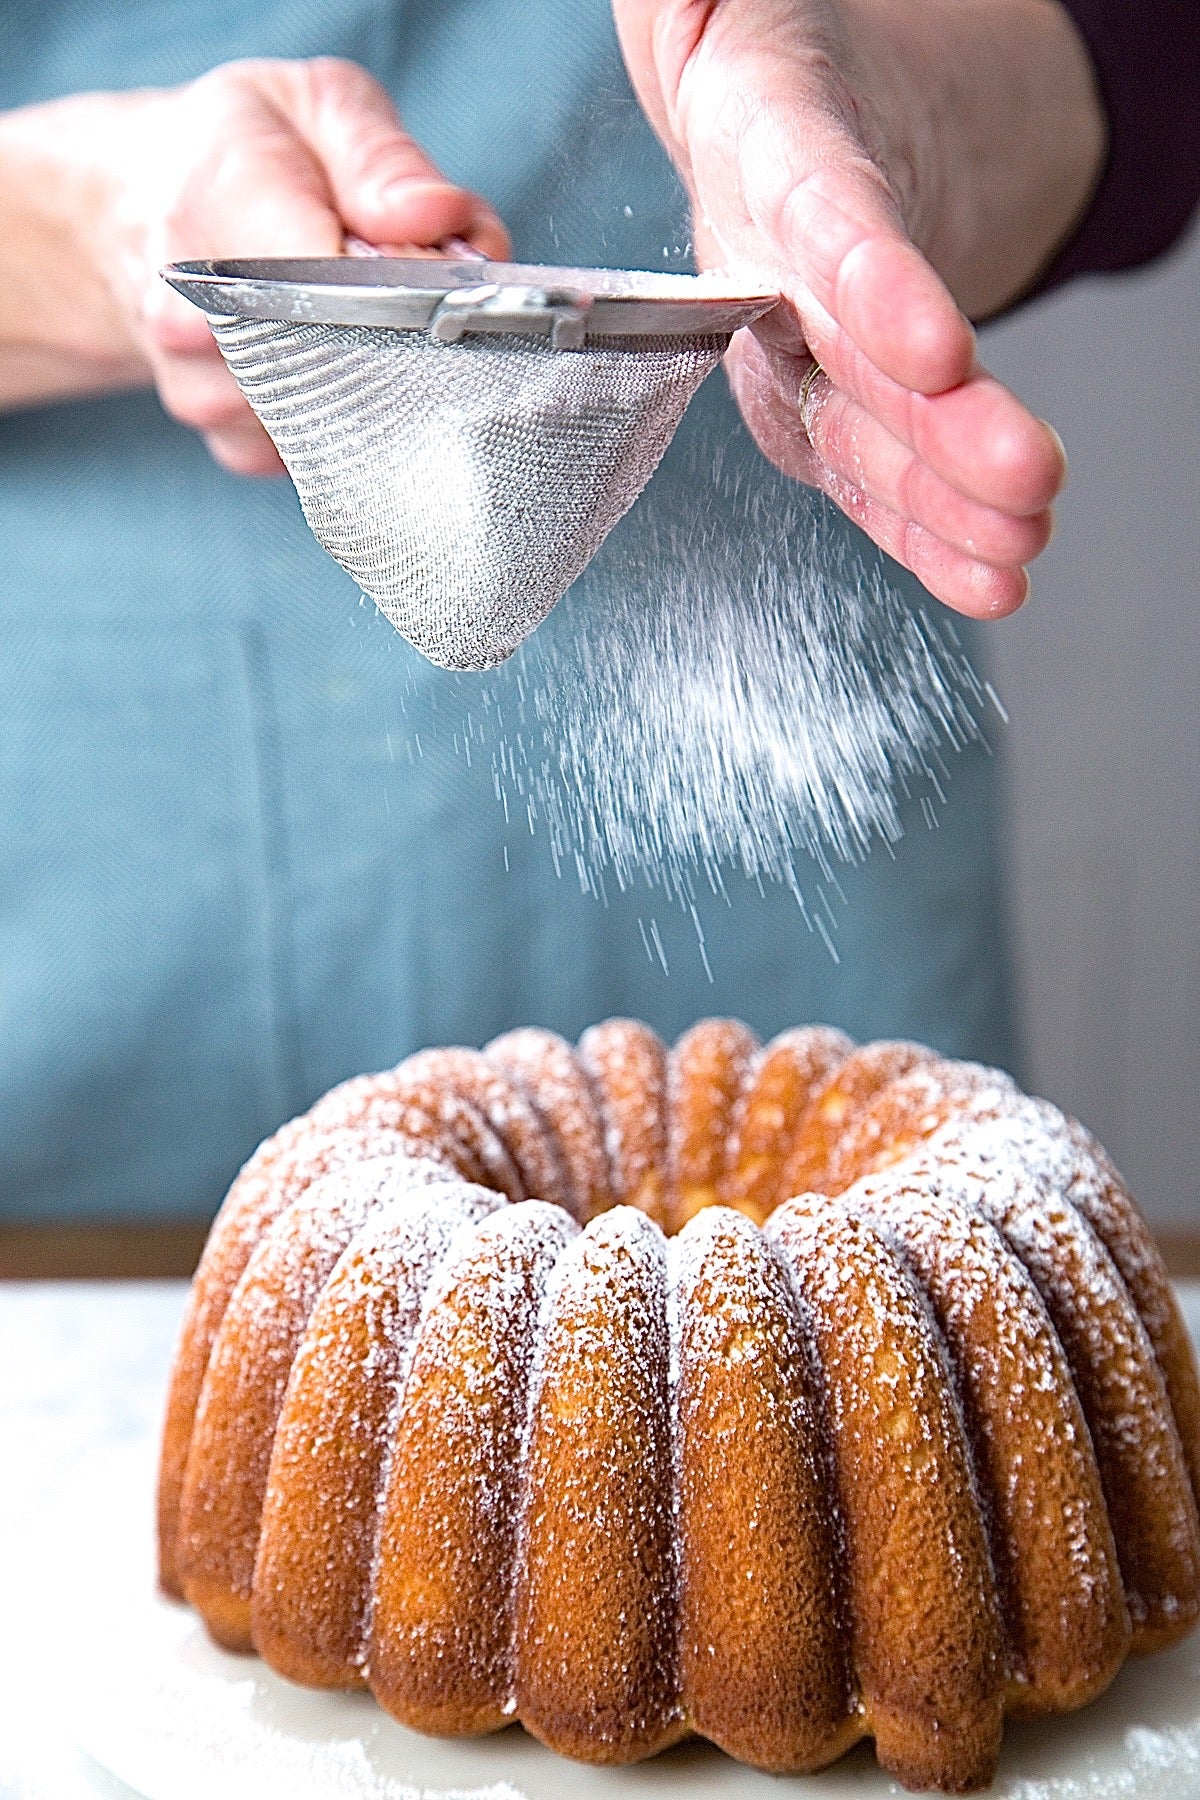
889, 167
253, 159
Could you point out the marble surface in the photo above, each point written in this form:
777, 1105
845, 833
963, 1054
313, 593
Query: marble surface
82, 1371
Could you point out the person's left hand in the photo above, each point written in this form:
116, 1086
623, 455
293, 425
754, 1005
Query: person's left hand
879, 162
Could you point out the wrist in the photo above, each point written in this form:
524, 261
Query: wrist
65, 328
986, 117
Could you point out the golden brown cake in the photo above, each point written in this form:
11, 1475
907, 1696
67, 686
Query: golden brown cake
785, 1395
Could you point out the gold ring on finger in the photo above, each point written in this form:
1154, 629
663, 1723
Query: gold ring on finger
806, 387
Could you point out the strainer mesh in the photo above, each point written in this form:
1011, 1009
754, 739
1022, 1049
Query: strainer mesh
463, 486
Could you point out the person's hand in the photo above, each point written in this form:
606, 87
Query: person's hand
890, 166
253, 159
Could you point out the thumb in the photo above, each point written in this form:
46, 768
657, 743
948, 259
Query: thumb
754, 100
384, 186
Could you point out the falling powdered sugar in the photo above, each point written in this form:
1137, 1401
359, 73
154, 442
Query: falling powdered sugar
711, 701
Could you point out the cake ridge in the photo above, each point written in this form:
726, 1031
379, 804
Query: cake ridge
1007, 1372
925, 1634
600, 1604
440, 1630
981, 1240
764, 1671
560, 1089
332, 1446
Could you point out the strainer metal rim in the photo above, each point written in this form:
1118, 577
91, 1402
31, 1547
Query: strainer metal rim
406, 293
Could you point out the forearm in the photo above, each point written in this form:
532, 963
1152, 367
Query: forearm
990, 126
62, 331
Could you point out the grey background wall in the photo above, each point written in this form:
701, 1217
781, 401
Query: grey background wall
1101, 677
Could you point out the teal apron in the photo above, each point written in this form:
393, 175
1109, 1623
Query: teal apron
227, 879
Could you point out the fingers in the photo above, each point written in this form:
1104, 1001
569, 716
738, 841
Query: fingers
799, 180
383, 185
944, 468
969, 556
244, 448
247, 184
279, 159
780, 172
844, 238
977, 589
196, 388
977, 436
856, 446
175, 327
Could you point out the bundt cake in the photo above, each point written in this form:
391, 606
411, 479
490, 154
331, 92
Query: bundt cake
782, 1394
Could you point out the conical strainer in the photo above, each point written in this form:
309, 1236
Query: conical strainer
463, 435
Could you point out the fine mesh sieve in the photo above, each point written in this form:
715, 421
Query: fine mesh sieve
464, 435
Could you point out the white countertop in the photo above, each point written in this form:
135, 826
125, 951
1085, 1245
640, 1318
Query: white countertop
82, 1372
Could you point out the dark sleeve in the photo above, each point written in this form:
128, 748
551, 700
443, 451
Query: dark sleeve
1146, 55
